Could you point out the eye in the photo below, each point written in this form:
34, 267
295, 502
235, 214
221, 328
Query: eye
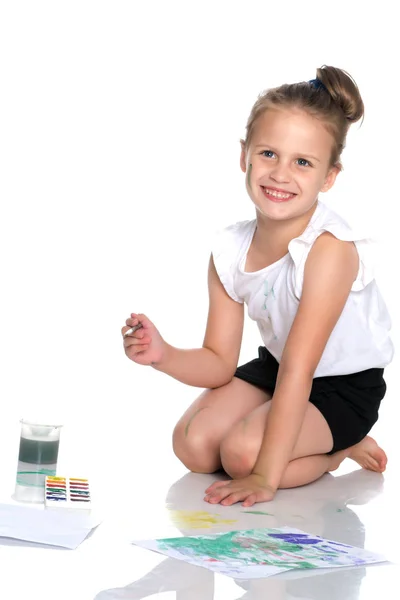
267, 153
302, 162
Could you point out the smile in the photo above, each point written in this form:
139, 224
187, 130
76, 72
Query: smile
277, 196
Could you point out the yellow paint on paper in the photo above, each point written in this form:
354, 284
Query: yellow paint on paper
198, 519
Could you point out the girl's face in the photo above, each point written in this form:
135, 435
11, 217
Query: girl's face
287, 163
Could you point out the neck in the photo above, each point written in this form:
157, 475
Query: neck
276, 235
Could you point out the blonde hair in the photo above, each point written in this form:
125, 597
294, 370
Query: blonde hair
333, 98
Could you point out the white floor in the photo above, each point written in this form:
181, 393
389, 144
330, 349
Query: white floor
148, 494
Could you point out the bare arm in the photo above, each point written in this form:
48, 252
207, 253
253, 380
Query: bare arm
330, 271
215, 363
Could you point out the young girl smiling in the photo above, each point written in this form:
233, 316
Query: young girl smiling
311, 397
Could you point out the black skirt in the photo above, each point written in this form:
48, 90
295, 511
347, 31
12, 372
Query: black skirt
349, 403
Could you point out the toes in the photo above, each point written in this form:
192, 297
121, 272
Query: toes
375, 465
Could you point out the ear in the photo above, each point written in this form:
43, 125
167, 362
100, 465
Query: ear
243, 156
330, 178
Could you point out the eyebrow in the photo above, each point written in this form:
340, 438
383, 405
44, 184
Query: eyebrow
300, 154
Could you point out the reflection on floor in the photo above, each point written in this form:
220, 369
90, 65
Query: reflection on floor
328, 507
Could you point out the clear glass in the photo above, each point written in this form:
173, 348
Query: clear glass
38, 455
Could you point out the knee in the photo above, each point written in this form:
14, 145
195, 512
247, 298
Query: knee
195, 451
238, 455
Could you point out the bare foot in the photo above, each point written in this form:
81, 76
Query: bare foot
337, 459
369, 455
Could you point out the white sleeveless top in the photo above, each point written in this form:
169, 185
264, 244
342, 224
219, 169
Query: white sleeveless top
360, 339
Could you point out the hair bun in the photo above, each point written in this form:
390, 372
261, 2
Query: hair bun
343, 90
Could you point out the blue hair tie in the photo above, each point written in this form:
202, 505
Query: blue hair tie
317, 84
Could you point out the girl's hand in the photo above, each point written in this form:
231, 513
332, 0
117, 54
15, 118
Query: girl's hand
250, 490
145, 346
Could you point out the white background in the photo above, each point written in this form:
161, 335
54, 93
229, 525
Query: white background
119, 159
119, 134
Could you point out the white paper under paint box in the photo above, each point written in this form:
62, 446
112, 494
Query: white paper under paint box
67, 492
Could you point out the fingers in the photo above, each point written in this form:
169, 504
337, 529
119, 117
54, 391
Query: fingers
250, 500
227, 497
134, 333
237, 497
140, 318
246, 490
137, 342
132, 330
133, 321
219, 492
138, 339
136, 321
135, 347
216, 485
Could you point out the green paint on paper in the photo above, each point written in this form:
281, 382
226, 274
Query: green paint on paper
250, 547
236, 551
257, 512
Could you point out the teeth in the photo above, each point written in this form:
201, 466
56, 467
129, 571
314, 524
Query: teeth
277, 194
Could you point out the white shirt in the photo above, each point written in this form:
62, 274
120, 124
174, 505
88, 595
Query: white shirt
360, 339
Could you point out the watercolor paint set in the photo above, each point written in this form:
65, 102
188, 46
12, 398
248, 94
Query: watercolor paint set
67, 492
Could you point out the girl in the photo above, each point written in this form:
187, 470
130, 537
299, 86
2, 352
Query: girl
312, 395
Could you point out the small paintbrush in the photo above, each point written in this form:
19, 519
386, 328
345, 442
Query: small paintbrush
133, 329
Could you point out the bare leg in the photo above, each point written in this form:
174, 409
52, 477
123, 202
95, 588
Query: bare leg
366, 453
240, 448
304, 470
198, 434
310, 468
225, 427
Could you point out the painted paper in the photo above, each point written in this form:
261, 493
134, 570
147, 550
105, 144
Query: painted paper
257, 553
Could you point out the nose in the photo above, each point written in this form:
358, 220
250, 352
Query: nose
281, 173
